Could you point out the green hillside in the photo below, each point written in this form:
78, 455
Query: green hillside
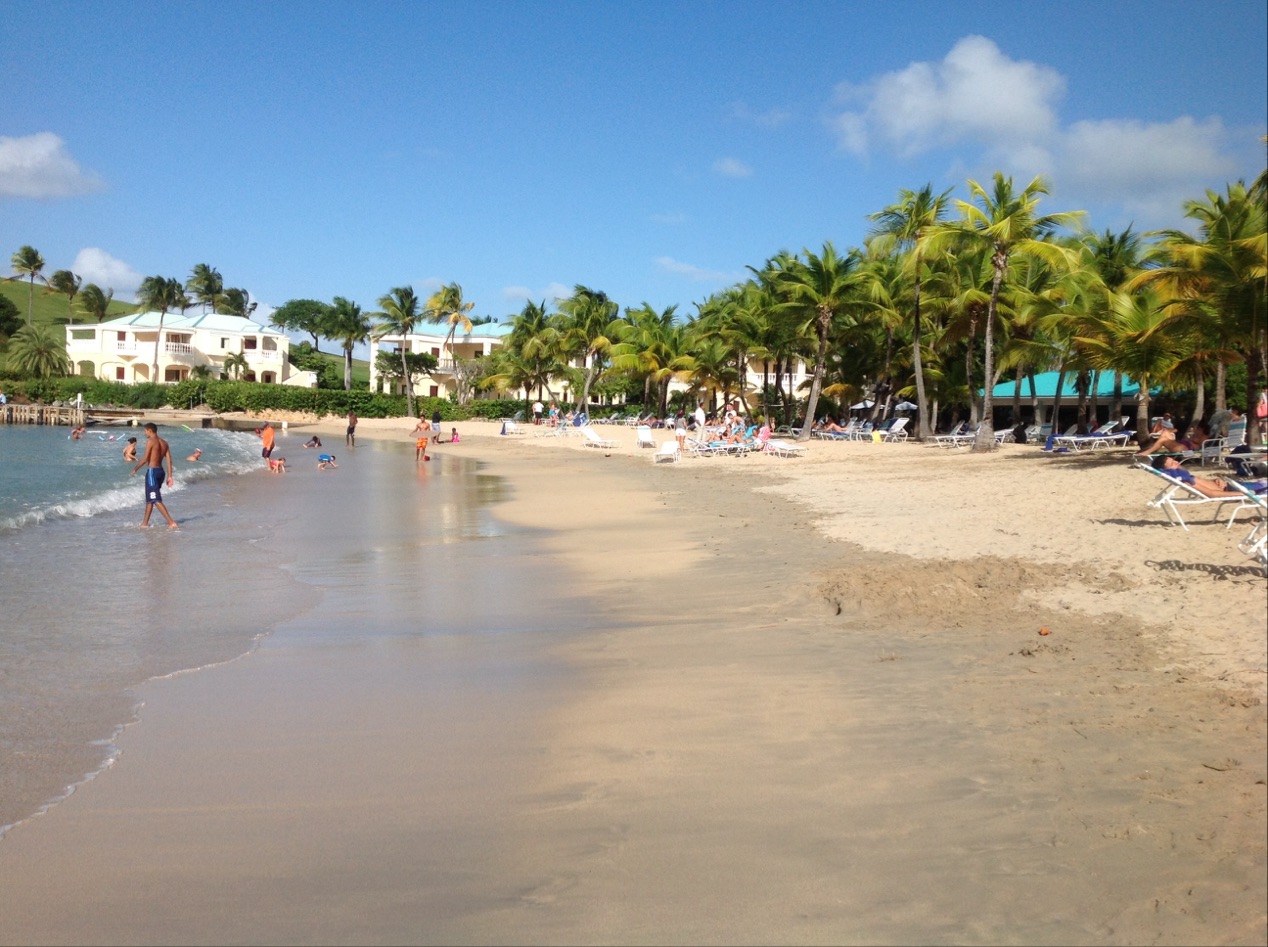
50, 308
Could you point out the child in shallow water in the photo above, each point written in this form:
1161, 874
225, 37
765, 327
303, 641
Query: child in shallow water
277, 464
326, 461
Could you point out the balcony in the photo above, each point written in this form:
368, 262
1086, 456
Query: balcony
125, 348
178, 348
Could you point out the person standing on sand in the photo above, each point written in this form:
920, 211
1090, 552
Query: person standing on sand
538, 408
157, 453
435, 426
350, 436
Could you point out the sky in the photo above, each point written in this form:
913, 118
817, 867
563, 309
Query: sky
651, 150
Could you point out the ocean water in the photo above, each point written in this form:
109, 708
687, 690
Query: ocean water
91, 605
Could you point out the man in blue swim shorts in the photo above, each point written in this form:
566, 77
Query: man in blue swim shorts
157, 453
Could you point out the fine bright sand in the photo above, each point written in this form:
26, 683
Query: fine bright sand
806, 700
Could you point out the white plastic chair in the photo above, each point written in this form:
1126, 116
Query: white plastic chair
643, 436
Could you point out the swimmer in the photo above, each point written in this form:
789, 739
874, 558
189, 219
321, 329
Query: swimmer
277, 464
77, 433
129, 452
195, 455
326, 461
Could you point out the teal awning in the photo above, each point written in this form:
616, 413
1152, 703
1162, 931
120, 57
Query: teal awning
1046, 387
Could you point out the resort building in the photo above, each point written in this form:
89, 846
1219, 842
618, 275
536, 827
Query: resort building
444, 381
124, 349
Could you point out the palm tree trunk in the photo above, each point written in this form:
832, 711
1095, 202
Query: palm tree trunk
986, 430
816, 380
158, 340
347, 368
409, 384
923, 430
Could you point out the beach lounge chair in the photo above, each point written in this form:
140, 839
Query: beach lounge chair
667, 451
896, 431
1255, 544
643, 436
780, 448
958, 436
511, 427
1177, 493
592, 439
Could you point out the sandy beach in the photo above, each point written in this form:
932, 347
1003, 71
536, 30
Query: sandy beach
798, 700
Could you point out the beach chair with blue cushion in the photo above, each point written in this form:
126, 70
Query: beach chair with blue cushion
1177, 493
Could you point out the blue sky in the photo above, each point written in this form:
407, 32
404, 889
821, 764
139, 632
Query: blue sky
649, 150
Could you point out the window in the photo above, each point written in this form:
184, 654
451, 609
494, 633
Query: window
435, 352
434, 393
224, 344
118, 372
250, 343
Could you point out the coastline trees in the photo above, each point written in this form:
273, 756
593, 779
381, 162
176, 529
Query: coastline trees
66, 283
905, 223
27, 263
349, 326
399, 317
587, 325
309, 316
205, 285
447, 306
160, 294
38, 351
1005, 222
93, 302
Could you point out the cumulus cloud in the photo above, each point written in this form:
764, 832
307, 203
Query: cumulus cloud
39, 166
975, 93
1001, 113
771, 118
692, 272
95, 265
732, 168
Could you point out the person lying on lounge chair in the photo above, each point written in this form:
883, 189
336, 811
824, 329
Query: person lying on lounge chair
1168, 443
1207, 486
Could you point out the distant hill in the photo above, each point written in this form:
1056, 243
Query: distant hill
51, 308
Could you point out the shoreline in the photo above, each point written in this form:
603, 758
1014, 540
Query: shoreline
811, 688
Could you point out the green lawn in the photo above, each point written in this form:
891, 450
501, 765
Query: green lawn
51, 308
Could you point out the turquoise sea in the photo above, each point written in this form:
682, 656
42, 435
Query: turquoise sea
91, 605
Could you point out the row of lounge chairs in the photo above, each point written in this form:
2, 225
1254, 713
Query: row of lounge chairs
1177, 494
893, 430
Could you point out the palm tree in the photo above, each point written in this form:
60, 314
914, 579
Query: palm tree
66, 283
206, 286
93, 302
446, 306
160, 294
350, 327
400, 316
236, 364
1136, 342
905, 223
28, 263
820, 288
587, 322
1007, 223
38, 352
236, 302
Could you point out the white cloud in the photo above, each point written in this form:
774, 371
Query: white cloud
975, 93
39, 166
692, 272
732, 168
771, 118
97, 266
1001, 114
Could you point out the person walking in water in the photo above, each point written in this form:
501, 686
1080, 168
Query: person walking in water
157, 454
350, 436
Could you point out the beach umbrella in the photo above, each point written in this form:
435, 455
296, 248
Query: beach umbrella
905, 406
861, 405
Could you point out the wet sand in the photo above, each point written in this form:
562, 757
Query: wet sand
805, 701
